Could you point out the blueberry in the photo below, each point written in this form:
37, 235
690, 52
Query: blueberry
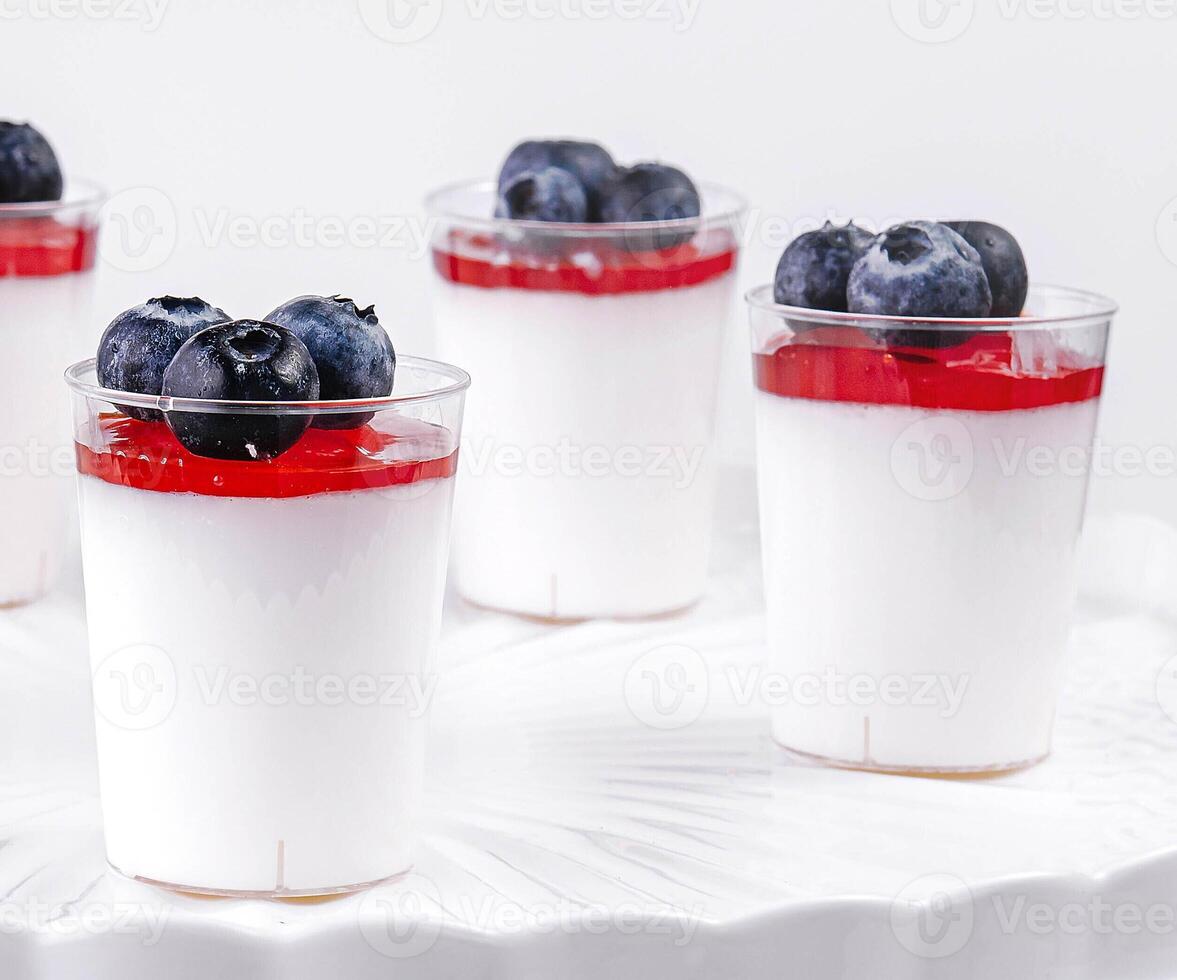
920, 269
550, 194
140, 343
29, 170
242, 360
651, 192
590, 163
351, 350
814, 268
1004, 264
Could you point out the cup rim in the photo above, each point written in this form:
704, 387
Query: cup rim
75, 377
1099, 309
80, 194
736, 206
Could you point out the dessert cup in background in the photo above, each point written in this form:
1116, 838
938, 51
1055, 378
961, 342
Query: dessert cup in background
262, 633
922, 488
47, 253
588, 452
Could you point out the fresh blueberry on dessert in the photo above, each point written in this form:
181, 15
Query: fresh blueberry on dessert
920, 269
814, 269
29, 170
352, 352
589, 163
651, 192
242, 360
140, 343
1003, 262
550, 194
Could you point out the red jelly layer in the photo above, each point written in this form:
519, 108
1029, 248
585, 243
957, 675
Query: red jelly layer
603, 269
977, 375
44, 247
147, 456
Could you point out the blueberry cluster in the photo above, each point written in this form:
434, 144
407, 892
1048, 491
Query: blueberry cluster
573, 181
29, 170
958, 269
308, 349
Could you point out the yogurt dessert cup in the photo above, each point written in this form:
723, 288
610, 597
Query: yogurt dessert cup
595, 344
48, 239
264, 582
922, 486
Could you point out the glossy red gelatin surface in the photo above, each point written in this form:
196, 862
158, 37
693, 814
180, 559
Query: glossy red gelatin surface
596, 269
147, 456
44, 246
980, 374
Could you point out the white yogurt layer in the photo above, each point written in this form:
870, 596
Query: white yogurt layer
919, 577
261, 670
42, 323
588, 482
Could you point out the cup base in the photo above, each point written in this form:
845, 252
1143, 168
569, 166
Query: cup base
20, 602
551, 620
274, 893
927, 772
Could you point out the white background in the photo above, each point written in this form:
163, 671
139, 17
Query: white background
1048, 117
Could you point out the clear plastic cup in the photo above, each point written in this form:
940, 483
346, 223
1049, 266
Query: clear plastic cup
589, 448
922, 488
47, 253
262, 634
